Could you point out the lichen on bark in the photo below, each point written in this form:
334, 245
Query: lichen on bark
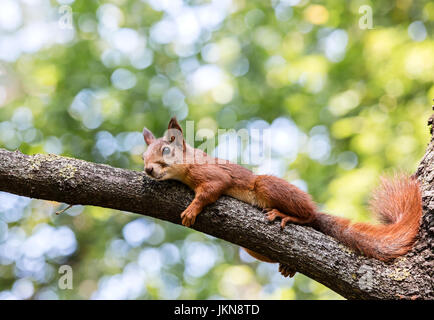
314, 254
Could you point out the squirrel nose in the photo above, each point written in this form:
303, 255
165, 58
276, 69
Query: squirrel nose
149, 170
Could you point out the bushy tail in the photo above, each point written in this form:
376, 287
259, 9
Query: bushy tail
398, 204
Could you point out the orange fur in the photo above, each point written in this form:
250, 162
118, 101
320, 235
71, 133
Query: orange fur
398, 202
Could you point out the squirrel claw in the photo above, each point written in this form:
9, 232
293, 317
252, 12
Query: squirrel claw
187, 221
284, 221
272, 215
188, 218
286, 271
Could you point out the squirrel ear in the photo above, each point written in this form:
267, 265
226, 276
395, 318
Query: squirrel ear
149, 137
173, 124
172, 136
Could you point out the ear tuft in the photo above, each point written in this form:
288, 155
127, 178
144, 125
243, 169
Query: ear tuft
173, 124
149, 137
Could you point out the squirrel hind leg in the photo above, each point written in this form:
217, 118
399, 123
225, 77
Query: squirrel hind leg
287, 270
272, 214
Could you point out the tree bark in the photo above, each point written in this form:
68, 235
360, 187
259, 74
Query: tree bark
314, 254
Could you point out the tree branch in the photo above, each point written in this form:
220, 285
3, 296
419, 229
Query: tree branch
314, 254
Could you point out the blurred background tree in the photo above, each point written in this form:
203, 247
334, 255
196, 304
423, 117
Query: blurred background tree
81, 78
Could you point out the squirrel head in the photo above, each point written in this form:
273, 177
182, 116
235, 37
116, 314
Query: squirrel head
163, 157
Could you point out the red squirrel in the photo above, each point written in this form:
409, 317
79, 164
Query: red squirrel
398, 201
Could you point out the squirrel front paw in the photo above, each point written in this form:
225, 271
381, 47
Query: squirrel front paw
286, 270
188, 217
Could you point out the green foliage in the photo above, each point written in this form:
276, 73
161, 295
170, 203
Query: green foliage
359, 98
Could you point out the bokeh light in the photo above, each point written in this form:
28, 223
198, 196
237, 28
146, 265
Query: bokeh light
325, 104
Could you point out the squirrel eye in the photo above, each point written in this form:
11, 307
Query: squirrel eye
166, 151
